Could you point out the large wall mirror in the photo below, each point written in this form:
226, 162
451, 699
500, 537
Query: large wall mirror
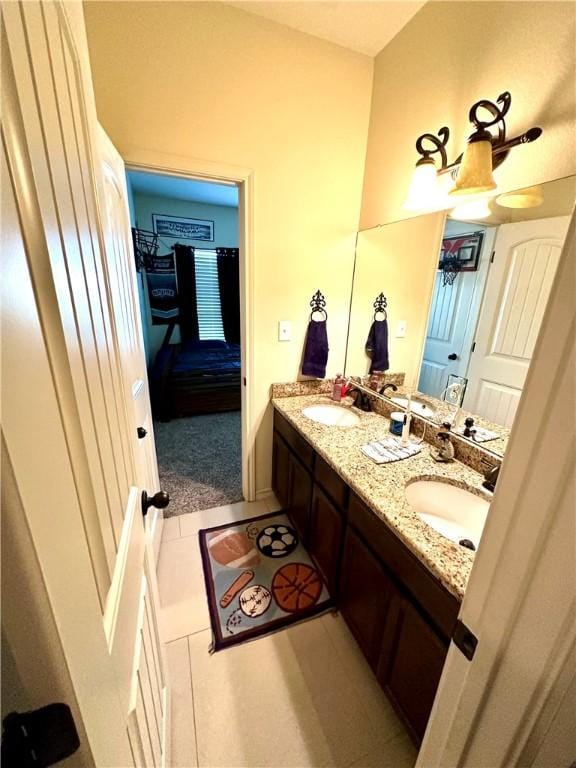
466, 293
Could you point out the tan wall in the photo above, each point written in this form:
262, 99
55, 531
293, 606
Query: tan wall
453, 54
209, 81
400, 260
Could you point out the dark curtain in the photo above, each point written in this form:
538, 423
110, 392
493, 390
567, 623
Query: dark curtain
186, 275
229, 282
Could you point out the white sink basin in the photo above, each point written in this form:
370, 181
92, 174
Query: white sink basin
416, 406
454, 512
332, 415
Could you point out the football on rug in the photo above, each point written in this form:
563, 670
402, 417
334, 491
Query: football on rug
259, 578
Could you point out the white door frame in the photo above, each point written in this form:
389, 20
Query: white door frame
151, 161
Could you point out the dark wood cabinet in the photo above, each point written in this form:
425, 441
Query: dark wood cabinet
400, 614
364, 596
325, 536
300, 498
410, 663
281, 470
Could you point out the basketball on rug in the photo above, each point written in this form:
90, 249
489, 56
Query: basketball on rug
259, 578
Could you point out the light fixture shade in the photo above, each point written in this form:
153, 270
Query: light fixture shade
531, 197
471, 210
475, 172
423, 187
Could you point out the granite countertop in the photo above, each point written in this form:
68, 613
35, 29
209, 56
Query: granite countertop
381, 487
445, 412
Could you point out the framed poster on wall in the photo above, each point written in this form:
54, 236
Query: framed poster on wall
463, 249
181, 228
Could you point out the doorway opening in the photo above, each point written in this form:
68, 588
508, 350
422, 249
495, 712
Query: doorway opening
187, 245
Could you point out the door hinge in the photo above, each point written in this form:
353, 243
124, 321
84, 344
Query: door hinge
464, 640
244, 380
492, 257
473, 347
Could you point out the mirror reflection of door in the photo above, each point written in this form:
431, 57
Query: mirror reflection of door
517, 291
453, 316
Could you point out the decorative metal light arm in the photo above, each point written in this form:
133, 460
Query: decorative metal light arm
439, 143
500, 145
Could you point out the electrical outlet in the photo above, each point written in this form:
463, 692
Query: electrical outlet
284, 330
401, 329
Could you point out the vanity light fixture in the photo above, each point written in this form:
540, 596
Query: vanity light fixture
530, 197
472, 170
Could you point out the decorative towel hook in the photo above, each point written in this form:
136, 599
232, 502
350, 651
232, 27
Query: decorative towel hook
380, 306
318, 304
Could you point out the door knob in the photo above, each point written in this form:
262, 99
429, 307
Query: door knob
141, 432
160, 500
453, 356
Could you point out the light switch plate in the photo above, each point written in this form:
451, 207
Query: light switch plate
401, 329
284, 330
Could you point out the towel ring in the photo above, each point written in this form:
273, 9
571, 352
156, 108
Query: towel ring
318, 304
380, 306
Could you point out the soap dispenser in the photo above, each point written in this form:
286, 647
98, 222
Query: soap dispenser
337, 388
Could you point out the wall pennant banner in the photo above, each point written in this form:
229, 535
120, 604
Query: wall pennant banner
162, 289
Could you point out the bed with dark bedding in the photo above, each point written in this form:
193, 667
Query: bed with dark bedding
195, 377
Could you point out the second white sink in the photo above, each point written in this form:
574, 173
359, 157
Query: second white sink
332, 415
418, 407
454, 512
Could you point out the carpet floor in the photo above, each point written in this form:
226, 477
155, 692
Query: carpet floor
200, 461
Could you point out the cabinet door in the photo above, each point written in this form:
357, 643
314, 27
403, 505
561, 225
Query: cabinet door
411, 663
364, 595
300, 497
325, 537
281, 470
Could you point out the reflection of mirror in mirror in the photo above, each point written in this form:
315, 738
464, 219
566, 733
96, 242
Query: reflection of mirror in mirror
466, 296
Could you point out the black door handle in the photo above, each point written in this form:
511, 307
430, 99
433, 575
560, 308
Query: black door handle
160, 500
453, 356
141, 432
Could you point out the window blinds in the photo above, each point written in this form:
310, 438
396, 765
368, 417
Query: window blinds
208, 296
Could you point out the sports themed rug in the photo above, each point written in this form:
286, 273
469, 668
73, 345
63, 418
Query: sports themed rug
259, 578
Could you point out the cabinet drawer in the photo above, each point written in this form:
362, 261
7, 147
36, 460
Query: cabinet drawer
334, 486
301, 448
437, 602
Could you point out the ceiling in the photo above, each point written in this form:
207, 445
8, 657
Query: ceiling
365, 27
183, 189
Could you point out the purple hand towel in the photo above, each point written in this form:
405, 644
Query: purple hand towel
316, 350
377, 346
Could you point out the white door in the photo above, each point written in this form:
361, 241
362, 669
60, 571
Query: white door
526, 256
451, 321
449, 315
120, 267
70, 349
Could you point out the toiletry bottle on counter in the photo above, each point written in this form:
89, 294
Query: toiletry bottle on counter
337, 388
406, 428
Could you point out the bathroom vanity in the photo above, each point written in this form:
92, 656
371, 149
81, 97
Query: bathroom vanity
397, 583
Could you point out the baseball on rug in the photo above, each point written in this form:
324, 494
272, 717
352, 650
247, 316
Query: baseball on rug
259, 578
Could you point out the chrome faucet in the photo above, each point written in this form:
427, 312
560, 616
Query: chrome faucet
454, 399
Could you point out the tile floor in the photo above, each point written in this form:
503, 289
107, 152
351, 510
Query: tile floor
300, 697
